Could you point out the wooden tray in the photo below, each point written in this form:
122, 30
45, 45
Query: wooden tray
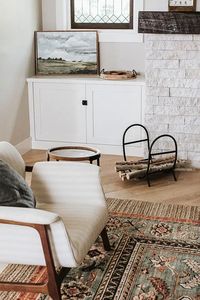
118, 75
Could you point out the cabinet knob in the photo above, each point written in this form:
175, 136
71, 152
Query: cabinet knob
84, 102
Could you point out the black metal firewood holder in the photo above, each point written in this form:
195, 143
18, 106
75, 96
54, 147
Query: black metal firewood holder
151, 154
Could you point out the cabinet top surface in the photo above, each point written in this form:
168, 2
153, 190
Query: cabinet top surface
140, 80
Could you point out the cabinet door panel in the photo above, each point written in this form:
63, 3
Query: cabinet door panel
112, 108
59, 114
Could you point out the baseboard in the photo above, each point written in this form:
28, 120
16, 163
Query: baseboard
24, 146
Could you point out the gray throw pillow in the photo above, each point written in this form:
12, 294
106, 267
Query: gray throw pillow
14, 191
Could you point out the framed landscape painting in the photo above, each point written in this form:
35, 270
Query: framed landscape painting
66, 52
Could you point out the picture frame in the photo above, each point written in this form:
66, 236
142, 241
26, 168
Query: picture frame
71, 52
182, 5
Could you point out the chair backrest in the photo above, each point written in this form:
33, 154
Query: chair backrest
10, 155
124, 143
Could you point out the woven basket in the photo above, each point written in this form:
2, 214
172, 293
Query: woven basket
118, 75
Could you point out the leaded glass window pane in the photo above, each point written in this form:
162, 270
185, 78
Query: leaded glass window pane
101, 13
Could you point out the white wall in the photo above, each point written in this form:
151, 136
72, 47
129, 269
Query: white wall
18, 20
49, 14
126, 56
122, 56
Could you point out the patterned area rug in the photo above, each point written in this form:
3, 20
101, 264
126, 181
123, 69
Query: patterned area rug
155, 255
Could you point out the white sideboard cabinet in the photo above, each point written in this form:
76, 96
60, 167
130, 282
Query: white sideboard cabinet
84, 111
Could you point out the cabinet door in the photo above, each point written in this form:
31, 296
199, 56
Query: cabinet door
112, 108
59, 113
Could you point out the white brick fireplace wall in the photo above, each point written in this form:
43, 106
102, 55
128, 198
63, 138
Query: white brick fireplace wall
173, 90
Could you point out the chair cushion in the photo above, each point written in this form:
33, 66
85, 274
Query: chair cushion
14, 191
83, 224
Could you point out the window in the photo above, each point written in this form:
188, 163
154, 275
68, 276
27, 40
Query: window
102, 14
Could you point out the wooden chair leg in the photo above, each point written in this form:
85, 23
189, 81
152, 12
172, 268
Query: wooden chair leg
105, 239
54, 279
52, 286
54, 290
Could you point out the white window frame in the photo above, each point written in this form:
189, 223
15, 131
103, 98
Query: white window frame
62, 22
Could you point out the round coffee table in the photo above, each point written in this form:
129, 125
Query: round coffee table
74, 153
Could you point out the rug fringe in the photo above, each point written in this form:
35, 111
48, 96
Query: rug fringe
154, 209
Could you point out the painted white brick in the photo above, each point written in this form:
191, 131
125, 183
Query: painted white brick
173, 91
164, 143
151, 100
190, 64
173, 45
160, 54
169, 82
191, 147
159, 82
179, 101
176, 120
183, 147
152, 91
149, 45
182, 92
192, 55
195, 129
162, 64
154, 129
192, 74
168, 110
168, 37
196, 37
171, 54
149, 109
192, 102
182, 154
168, 101
187, 138
149, 118
187, 45
194, 156
165, 74
190, 83
192, 120
155, 119
192, 111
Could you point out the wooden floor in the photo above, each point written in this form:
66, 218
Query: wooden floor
164, 189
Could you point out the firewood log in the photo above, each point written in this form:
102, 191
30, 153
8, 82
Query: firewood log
131, 169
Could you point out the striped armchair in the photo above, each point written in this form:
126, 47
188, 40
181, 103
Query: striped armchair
71, 213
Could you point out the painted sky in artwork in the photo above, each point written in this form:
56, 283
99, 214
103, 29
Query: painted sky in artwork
70, 46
